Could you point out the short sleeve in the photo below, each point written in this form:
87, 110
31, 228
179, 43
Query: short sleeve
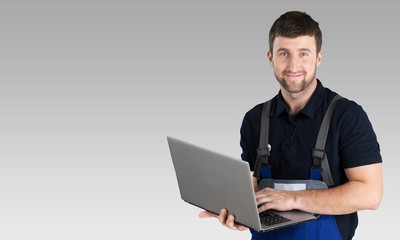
250, 134
358, 144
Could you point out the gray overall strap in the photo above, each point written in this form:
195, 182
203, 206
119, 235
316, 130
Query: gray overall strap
262, 168
264, 131
319, 156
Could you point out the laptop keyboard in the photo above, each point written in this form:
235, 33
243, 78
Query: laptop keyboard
269, 218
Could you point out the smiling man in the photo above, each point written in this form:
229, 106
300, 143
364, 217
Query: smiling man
294, 61
348, 166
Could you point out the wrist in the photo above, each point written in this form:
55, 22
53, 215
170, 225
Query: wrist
296, 199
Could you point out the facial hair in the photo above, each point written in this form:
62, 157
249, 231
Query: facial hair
300, 86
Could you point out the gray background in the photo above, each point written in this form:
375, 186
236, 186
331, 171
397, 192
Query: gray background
90, 90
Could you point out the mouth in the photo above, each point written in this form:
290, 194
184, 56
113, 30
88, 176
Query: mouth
294, 75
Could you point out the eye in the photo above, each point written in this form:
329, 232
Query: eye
283, 54
303, 54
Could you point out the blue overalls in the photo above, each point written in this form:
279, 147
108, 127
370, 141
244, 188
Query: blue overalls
324, 227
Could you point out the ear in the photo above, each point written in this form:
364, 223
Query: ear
319, 58
269, 56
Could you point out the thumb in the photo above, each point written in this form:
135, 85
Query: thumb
207, 214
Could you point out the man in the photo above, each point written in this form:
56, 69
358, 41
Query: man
296, 114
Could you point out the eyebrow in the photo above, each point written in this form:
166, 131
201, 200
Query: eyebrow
282, 49
304, 50
287, 50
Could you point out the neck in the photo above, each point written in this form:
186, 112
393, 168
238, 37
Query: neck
297, 101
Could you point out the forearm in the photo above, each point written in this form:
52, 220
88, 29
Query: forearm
364, 190
347, 198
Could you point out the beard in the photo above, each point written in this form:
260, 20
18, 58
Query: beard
298, 85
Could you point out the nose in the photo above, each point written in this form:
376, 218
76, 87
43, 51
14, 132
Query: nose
293, 63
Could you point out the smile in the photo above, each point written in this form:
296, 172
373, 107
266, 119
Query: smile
293, 75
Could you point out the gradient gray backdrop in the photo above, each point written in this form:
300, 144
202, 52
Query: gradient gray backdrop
90, 90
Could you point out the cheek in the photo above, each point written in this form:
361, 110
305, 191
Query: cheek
309, 66
278, 70
279, 66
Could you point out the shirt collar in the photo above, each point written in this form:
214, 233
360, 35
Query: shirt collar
311, 107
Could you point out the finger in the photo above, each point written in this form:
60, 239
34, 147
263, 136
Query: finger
263, 192
242, 228
207, 214
263, 207
264, 199
222, 216
230, 222
265, 196
268, 205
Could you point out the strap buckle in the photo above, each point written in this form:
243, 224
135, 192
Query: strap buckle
318, 156
263, 154
262, 168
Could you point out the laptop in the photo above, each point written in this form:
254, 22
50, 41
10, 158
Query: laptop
213, 181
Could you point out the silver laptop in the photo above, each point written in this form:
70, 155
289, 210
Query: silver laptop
213, 181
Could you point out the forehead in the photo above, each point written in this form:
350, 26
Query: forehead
292, 44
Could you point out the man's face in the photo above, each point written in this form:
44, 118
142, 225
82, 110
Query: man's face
295, 61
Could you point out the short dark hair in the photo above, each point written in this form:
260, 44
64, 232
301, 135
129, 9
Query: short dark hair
295, 24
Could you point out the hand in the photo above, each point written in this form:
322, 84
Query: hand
227, 221
269, 198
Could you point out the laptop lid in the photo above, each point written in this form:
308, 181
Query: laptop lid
213, 181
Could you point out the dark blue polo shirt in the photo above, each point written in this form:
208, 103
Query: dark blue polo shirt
351, 141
